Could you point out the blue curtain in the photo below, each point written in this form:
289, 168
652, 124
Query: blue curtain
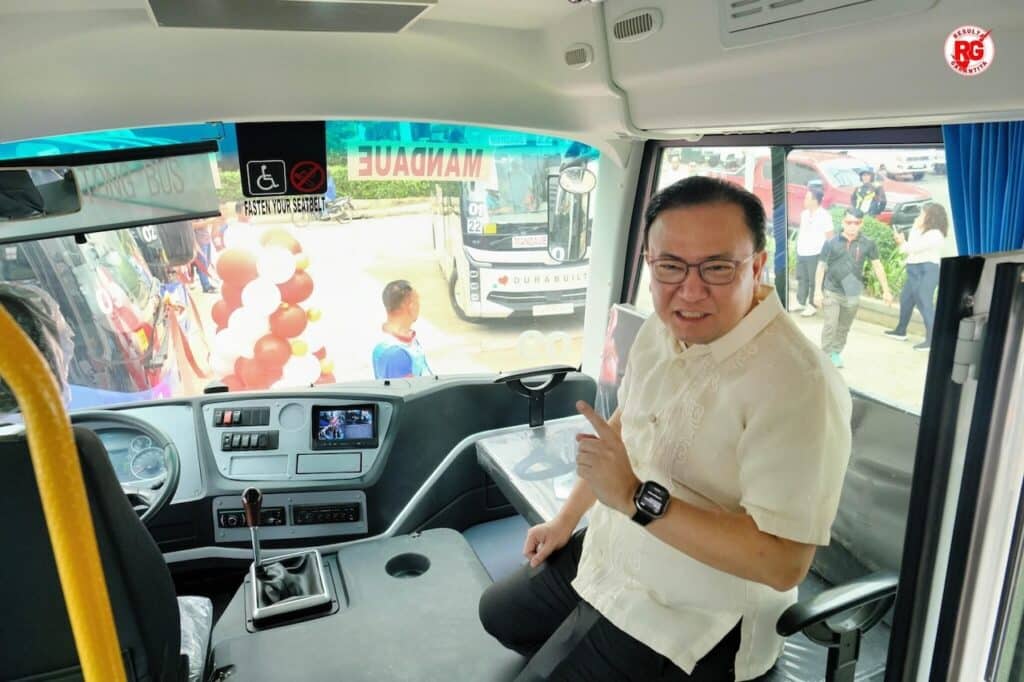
985, 163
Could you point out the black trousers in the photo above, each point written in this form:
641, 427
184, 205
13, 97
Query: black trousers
806, 267
536, 612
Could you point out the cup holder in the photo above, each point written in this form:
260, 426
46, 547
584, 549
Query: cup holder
407, 565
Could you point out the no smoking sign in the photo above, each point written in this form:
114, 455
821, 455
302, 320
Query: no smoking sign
282, 158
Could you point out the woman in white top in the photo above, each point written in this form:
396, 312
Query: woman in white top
923, 247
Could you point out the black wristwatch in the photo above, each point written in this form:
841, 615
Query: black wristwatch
651, 500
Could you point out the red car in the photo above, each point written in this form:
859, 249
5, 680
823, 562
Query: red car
837, 175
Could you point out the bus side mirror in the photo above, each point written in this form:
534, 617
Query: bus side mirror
569, 213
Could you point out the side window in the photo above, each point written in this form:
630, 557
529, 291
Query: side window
895, 250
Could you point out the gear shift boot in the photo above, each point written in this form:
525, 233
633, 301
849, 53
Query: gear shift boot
289, 584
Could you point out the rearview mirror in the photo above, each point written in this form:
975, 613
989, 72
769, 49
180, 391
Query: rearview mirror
28, 193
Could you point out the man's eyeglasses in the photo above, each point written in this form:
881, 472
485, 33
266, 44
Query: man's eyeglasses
714, 271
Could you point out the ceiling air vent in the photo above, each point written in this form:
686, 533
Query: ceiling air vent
744, 22
579, 56
636, 25
340, 16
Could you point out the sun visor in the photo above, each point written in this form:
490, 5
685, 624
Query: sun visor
123, 188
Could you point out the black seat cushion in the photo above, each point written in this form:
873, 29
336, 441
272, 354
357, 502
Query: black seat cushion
35, 621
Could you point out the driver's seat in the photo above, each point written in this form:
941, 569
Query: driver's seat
35, 633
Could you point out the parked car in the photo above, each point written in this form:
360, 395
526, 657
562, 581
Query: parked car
837, 175
907, 163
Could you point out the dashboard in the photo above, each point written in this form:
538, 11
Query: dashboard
135, 459
333, 463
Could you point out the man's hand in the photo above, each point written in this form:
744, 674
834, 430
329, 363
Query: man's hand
545, 538
819, 301
887, 297
603, 463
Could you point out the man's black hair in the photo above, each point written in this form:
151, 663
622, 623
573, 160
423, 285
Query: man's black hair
395, 293
855, 212
698, 190
818, 194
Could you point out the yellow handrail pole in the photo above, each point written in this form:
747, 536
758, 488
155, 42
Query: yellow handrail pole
65, 505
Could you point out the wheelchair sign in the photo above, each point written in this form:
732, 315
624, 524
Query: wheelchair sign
266, 177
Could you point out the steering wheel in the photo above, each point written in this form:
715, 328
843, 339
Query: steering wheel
153, 496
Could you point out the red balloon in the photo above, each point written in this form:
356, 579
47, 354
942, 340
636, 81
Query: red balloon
233, 383
232, 295
327, 378
297, 289
280, 237
272, 351
288, 321
220, 312
321, 354
237, 267
255, 374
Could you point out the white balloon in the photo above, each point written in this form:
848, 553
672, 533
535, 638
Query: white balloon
224, 344
300, 370
228, 345
241, 236
314, 335
261, 296
276, 263
222, 365
248, 325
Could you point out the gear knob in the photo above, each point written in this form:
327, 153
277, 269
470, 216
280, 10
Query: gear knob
252, 500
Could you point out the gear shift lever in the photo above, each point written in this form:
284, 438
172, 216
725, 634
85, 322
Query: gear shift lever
252, 500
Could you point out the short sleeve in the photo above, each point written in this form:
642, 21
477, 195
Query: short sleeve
397, 363
792, 459
825, 250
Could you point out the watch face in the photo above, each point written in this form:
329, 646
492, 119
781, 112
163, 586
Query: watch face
652, 498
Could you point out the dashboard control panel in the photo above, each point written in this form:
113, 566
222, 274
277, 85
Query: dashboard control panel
296, 439
286, 516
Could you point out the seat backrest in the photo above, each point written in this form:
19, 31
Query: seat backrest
868, 531
34, 626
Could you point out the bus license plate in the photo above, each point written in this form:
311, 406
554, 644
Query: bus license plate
552, 309
529, 241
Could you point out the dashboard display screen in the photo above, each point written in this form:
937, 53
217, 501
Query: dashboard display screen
339, 427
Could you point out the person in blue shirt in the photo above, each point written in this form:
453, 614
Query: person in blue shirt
399, 353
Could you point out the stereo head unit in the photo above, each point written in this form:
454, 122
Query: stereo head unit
344, 427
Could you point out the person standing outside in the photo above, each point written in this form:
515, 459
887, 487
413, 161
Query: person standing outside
839, 282
869, 196
815, 229
204, 255
923, 247
399, 354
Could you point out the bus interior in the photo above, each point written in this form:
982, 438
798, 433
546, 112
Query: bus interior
223, 311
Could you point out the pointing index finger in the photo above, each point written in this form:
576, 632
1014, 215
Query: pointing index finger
603, 428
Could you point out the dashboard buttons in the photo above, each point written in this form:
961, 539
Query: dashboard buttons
235, 518
264, 440
248, 416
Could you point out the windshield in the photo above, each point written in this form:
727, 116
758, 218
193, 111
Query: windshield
264, 298
843, 172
